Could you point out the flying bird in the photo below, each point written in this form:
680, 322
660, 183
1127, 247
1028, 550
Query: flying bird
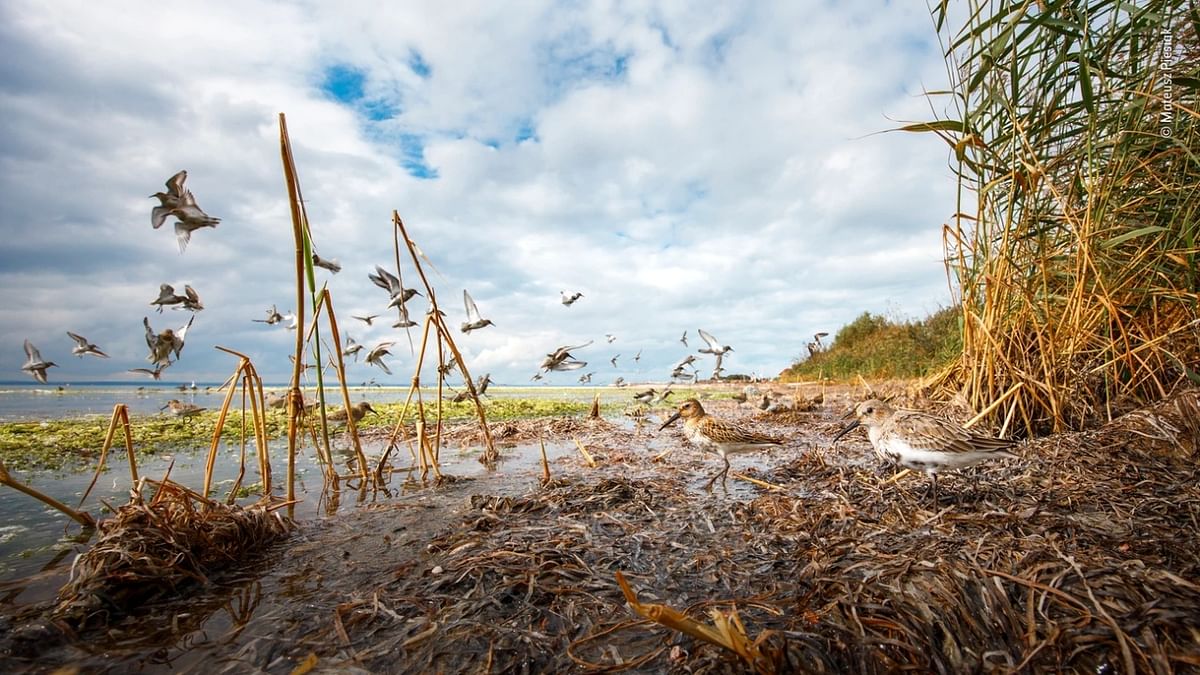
569, 300
610, 337
178, 201
368, 319
397, 294
713, 435
638, 357
715, 348
273, 317
331, 265
163, 344
156, 373
34, 365
613, 360
405, 321
474, 320
683, 338
586, 379
561, 359
191, 300
375, 356
82, 346
166, 296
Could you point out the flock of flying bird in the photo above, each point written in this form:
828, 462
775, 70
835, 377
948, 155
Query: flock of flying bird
177, 202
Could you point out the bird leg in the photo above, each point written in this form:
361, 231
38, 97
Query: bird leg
724, 473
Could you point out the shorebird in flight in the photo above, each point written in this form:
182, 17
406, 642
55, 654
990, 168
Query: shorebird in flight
474, 320
331, 265
82, 347
714, 347
163, 344
156, 373
375, 356
569, 300
34, 364
273, 317
397, 294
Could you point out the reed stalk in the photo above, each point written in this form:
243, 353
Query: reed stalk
120, 416
81, 517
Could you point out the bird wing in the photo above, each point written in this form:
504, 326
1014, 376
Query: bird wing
192, 294
182, 236
727, 432
180, 336
32, 353
175, 184
159, 214
150, 339
79, 339
385, 280
472, 310
926, 432
712, 341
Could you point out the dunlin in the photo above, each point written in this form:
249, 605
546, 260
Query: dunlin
375, 356
569, 300
82, 346
34, 364
177, 408
357, 411
191, 300
332, 265
561, 358
646, 397
273, 317
405, 321
637, 357
397, 294
474, 320
619, 382
683, 338
713, 435
586, 379
178, 201
714, 347
613, 360
368, 319
166, 296
922, 442
163, 344
155, 374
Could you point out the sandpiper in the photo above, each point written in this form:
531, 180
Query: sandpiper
357, 411
474, 320
273, 317
613, 360
178, 408
645, 396
397, 294
569, 300
156, 373
276, 400
166, 296
368, 319
714, 347
713, 435
586, 379
619, 382
191, 300
610, 338
332, 265
82, 347
561, 359
637, 357
352, 348
922, 442
34, 365
375, 356
683, 338
405, 321
164, 343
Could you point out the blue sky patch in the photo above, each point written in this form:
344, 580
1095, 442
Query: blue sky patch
344, 83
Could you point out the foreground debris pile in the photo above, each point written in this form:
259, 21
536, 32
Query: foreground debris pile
1082, 556
150, 550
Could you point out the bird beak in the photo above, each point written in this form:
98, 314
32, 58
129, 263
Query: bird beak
164, 406
670, 419
850, 427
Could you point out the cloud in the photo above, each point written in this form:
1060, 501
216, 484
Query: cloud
684, 166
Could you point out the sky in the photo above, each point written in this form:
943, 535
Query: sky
684, 165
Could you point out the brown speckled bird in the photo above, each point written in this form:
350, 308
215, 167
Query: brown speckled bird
713, 435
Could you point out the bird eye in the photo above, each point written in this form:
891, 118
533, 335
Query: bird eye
870, 410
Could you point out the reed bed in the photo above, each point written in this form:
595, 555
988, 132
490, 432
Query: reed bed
1075, 245
152, 549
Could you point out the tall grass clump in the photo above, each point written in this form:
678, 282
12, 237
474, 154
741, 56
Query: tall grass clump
1074, 243
875, 346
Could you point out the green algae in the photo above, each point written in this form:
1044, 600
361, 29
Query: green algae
67, 444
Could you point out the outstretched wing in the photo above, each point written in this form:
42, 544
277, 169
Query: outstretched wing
150, 339
472, 310
79, 339
712, 341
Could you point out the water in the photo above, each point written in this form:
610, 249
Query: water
38, 543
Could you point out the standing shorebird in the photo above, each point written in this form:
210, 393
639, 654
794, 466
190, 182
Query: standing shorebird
922, 442
82, 346
34, 365
357, 411
178, 408
713, 435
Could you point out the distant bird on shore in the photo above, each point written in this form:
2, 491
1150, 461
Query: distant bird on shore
273, 317
713, 435
646, 396
177, 408
82, 347
683, 338
922, 442
34, 364
163, 344
331, 265
569, 300
397, 294
714, 347
375, 356
357, 411
155, 374
474, 320
276, 400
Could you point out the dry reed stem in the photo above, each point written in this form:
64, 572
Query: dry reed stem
120, 415
81, 517
587, 456
326, 302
